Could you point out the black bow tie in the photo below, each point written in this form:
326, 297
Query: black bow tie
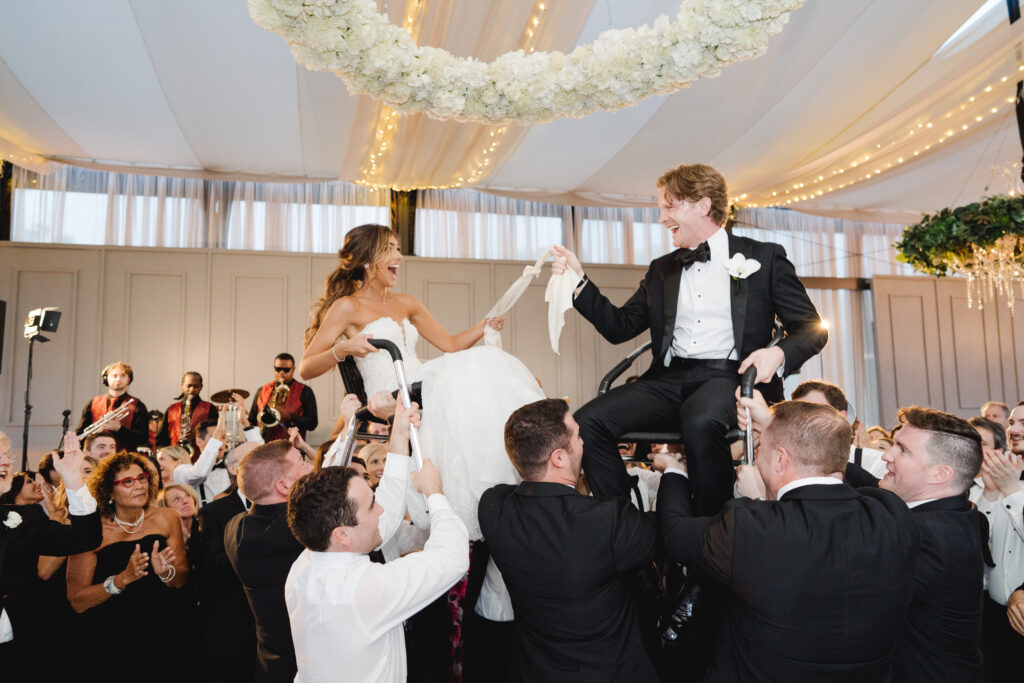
701, 253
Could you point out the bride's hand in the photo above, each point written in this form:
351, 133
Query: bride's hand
358, 346
496, 323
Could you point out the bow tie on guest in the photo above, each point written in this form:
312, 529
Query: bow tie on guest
700, 253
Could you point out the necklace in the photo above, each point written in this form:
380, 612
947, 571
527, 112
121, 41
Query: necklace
130, 527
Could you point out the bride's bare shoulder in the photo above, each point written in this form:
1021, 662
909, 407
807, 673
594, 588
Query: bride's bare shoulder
343, 307
408, 302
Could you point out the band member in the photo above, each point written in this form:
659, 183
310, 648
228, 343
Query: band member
132, 430
156, 425
196, 409
296, 408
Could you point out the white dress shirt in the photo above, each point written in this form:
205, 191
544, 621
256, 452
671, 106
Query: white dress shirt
80, 503
704, 309
346, 612
203, 474
1006, 540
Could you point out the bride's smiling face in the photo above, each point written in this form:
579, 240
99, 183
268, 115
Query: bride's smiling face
386, 265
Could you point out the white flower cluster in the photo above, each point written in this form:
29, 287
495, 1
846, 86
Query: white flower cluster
620, 68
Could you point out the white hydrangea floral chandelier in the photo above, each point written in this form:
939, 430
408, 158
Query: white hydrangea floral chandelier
377, 58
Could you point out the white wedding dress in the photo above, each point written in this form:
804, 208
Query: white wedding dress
467, 398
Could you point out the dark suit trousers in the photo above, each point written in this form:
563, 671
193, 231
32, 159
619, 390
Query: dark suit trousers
700, 402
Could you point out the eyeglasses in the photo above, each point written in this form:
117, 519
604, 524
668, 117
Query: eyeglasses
128, 482
277, 369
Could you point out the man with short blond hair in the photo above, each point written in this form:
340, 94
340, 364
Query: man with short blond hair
820, 574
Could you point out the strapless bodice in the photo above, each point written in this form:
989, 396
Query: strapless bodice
377, 370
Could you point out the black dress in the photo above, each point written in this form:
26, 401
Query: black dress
135, 621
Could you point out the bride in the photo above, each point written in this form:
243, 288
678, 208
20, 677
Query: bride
468, 393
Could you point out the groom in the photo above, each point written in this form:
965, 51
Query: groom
708, 320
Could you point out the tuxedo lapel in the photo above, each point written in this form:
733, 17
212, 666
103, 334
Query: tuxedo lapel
738, 290
673, 274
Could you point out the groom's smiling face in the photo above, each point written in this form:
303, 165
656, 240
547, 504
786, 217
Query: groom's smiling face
683, 219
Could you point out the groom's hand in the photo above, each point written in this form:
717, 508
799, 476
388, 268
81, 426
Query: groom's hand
768, 362
566, 259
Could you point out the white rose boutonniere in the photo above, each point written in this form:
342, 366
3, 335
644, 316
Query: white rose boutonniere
13, 519
740, 268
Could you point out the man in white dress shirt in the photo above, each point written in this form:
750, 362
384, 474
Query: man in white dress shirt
346, 612
209, 474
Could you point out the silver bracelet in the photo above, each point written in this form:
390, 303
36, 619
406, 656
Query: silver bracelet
333, 353
170, 575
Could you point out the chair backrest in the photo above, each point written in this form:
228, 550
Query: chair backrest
352, 379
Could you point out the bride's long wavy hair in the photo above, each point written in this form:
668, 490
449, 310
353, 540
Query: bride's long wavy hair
363, 246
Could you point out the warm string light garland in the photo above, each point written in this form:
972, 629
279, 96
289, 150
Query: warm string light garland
918, 139
480, 165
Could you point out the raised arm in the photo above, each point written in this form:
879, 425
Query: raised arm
327, 347
434, 332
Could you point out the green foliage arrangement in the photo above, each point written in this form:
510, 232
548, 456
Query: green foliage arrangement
940, 241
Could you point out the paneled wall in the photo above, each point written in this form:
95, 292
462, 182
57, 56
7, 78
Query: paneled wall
934, 350
226, 314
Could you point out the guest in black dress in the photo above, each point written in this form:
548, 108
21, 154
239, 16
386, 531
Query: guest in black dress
124, 587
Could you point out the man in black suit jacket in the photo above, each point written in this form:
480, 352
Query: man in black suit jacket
228, 629
932, 463
25, 534
820, 575
564, 557
261, 549
708, 321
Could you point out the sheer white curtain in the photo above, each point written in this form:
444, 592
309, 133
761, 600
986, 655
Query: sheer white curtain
832, 247
470, 224
308, 217
614, 235
84, 206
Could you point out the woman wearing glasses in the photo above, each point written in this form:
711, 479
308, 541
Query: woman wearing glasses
132, 573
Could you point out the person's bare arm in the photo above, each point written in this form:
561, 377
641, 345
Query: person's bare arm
434, 332
327, 347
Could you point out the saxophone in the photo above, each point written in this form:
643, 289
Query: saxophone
186, 420
270, 416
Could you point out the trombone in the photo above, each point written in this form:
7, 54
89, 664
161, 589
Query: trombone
100, 424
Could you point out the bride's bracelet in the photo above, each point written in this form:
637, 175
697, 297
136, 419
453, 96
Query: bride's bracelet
170, 575
333, 353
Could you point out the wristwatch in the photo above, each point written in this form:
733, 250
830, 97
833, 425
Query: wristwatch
110, 587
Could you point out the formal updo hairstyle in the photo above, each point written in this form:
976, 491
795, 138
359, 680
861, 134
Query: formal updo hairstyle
101, 482
356, 258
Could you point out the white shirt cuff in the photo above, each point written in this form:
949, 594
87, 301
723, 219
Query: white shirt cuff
437, 501
397, 465
676, 470
81, 502
253, 434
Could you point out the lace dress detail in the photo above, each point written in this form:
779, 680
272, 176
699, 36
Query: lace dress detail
467, 397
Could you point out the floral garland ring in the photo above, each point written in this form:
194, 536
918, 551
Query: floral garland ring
377, 58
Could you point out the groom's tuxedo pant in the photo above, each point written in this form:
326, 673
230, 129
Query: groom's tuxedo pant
697, 397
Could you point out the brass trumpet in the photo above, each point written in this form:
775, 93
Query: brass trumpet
99, 425
270, 416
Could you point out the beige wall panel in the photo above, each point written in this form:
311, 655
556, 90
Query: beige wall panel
909, 360
970, 342
64, 374
457, 293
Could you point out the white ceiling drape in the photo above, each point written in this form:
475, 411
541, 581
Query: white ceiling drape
196, 88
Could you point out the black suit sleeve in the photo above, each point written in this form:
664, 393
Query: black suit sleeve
53, 538
307, 421
635, 537
254, 409
614, 323
805, 335
86, 419
216, 566
705, 541
858, 477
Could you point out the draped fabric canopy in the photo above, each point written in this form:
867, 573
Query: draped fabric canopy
891, 89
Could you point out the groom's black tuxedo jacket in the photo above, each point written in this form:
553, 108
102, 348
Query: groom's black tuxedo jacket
565, 558
20, 548
774, 290
820, 581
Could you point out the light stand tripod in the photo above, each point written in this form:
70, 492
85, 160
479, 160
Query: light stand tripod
39, 320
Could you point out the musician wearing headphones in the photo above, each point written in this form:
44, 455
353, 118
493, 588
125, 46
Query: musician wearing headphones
132, 429
185, 415
283, 403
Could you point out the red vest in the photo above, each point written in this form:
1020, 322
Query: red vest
200, 414
292, 405
101, 405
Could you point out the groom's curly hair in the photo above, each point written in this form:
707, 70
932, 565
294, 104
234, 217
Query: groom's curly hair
693, 182
533, 432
